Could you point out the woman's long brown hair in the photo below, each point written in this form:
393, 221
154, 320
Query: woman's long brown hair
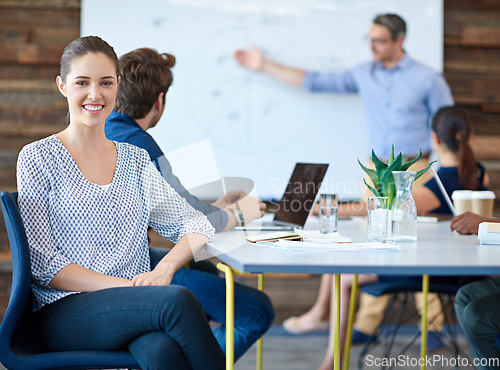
452, 126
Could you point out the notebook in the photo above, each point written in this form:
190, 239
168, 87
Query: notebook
297, 200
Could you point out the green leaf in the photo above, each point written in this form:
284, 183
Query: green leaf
391, 157
395, 166
374, 191
372, 173
407, 165
379, 165
387, 181
421, 172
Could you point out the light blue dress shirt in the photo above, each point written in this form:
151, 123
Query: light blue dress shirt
398, 103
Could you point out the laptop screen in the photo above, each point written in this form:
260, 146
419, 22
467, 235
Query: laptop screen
300, 193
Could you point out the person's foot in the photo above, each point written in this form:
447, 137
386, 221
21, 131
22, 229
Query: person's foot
358, 337
328, 362
434, 341
327, 366
304, 324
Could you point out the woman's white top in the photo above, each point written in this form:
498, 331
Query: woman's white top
71, 220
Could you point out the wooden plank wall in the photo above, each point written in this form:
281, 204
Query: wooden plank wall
472, 68
33, 34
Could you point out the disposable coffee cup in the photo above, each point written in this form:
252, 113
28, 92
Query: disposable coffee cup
482, 203
462, 201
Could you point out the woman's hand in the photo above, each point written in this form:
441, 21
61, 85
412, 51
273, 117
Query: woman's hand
152, 278
468, 223
187, 246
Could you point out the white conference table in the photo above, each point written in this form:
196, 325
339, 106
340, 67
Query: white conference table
438, 251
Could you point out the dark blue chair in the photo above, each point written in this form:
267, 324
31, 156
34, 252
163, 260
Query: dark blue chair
19, 346
400, 290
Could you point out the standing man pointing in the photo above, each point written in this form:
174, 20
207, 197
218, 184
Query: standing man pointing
399, 94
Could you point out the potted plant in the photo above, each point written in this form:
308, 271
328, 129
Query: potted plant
381, 176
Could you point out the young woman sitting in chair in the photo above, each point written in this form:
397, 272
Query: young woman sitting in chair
86, 203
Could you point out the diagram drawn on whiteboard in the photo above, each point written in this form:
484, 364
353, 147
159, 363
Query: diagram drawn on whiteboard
240, 104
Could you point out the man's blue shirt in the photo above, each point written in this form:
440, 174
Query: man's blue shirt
123, 128
398, 103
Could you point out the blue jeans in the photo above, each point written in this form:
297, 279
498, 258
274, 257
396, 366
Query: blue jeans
162, 326
477, 308
253, 310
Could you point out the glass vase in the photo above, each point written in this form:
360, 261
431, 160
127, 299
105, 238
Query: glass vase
404, 211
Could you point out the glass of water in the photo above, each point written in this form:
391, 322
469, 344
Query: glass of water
377, 220
328, 206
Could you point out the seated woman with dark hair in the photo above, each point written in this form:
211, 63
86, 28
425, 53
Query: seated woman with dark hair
458, 171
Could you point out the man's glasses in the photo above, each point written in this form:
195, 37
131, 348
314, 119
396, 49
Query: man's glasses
376, 42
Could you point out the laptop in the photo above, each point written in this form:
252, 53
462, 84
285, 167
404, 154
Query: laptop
296, 202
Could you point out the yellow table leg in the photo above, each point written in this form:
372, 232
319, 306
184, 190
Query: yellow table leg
352, 310
423, 330
229, 314
260, 342
336, 334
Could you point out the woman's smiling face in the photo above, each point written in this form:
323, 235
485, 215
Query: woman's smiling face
90, 88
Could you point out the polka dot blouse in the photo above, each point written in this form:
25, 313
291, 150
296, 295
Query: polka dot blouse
71, 220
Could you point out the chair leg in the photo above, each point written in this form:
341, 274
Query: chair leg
391, 307
389, 334
452, 330
397, 325
447, 320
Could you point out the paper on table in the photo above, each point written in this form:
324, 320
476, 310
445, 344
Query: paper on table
316, 236
330, 247
427, 219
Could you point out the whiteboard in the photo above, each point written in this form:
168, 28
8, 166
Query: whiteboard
259, 127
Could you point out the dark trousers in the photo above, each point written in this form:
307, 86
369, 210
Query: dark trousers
477, 308
163, 326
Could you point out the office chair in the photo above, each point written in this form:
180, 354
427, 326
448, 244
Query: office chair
19, 346
445, 292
